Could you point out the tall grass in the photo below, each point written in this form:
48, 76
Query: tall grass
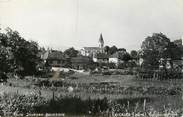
12, 104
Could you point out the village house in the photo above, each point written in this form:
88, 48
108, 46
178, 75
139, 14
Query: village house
81, 62
56, 59
116, 58
53, 58
101, 58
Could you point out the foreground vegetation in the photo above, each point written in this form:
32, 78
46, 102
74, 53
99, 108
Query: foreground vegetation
15, 104
98, 93
92, 95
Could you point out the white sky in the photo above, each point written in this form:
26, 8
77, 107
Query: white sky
65, 23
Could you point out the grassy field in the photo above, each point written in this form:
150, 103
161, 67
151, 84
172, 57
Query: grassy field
160, 94
100, 85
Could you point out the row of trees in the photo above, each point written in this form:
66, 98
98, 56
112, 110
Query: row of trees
153, 49
122, 51
20, 56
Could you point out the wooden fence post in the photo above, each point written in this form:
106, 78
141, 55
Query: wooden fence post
144, 107
53, 95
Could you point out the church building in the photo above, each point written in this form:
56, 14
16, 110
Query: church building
91, 51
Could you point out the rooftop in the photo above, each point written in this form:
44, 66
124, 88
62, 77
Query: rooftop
55, 55
101, 56
92, 48
80, 59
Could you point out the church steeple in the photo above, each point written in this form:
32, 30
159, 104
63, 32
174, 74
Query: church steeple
101, 41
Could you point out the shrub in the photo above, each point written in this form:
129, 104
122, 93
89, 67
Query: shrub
112, 65
19, 104
106, 73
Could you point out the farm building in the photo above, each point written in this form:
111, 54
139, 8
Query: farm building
81, 62
116, 58
101, 58
56, 59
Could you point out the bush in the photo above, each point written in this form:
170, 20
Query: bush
122, 66
70, 105
112, 65
19, 104
106, 73
162, 74
49, 83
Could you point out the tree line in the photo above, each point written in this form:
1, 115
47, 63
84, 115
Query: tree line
19, 56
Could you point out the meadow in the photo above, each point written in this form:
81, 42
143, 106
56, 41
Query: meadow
126, 91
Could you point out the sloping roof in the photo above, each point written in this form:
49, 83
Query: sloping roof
80, 59
92, 48
101, 56
56, 55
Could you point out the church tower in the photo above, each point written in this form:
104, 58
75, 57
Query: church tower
101, 41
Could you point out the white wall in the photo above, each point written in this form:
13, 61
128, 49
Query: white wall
113, 60
94, 59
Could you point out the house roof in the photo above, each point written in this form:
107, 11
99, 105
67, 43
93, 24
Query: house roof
101, 56
92, 48
80, 59
56, 55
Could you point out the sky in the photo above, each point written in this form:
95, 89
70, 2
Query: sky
61, 24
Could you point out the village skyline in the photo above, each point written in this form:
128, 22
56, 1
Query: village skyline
61, 24
91, 58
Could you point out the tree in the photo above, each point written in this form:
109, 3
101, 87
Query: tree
134, 54
5, 54
21, 56
113, 49
71, 52
5, 59
126, 57
106, 49
26, 58
153, 48
122, 49
173, 51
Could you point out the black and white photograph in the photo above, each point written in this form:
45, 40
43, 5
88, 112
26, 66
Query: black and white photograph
91, 58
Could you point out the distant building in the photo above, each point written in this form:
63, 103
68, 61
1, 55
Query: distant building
56, 59
116, 58
81, 62
101, 58
53, 58
91, 51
